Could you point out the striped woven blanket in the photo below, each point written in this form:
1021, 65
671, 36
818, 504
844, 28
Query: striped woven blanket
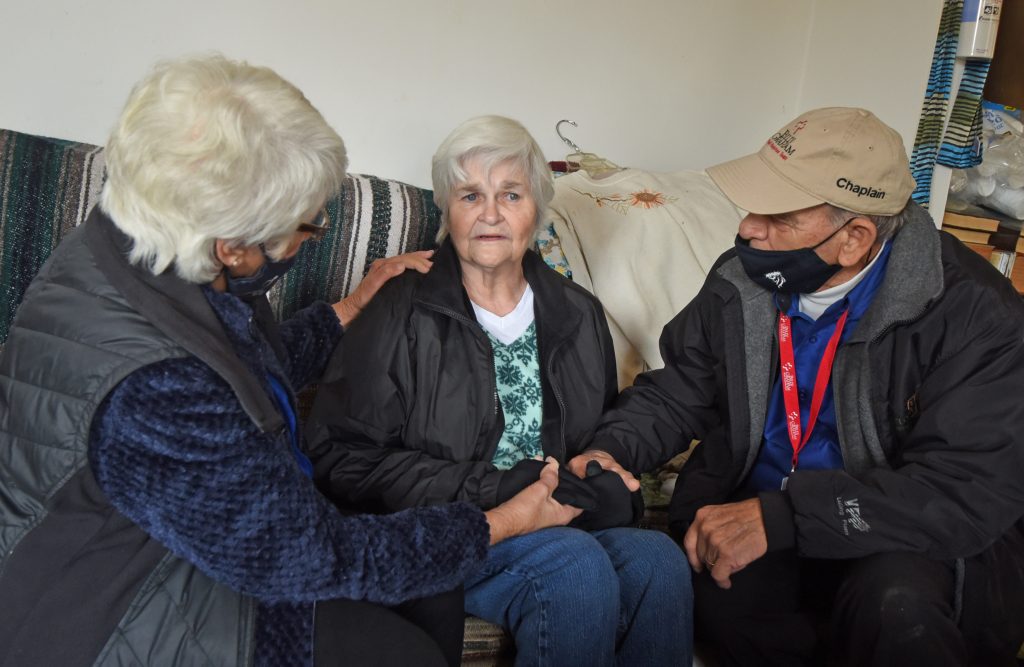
371, 218
48, 186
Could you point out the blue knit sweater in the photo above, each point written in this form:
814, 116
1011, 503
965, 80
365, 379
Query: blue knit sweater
175, 452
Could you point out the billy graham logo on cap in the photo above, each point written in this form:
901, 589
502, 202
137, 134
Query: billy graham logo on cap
843, 156
782, 141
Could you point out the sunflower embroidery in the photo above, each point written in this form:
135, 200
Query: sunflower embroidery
645, 199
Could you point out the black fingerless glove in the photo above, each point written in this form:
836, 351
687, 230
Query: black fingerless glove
518, 477
574, 491
616, 504
571, 489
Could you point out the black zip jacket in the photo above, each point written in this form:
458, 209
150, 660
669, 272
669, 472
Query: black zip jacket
412, 416
929, 409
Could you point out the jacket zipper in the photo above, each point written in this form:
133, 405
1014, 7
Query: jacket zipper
558, 399
493, 376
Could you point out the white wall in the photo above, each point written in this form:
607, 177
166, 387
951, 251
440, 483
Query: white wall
873, 53
656, 84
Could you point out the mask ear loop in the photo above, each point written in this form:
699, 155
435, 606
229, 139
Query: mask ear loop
836, 231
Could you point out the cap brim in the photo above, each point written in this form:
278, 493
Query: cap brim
755, 187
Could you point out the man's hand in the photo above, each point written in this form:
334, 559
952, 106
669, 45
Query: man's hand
381, 271
532, 508
578, 465
726, 538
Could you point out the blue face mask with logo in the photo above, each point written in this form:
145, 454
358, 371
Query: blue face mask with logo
263, 279
798, 271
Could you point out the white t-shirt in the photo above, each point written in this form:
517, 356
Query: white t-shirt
510, 327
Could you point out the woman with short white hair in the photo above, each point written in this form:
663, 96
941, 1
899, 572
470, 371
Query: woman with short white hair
452, 386
155, 502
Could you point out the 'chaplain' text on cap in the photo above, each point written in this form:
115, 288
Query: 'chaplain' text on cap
842, 156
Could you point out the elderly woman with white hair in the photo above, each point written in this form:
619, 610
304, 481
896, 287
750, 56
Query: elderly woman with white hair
155, 504
453, 384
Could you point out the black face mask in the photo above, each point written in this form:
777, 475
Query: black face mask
265, 277
788, 271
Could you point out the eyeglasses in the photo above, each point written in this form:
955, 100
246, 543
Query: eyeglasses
317, 231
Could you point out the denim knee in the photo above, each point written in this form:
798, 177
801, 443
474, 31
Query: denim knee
560, 568
585, 570
656, 621
667, 560
649, 559
568, 605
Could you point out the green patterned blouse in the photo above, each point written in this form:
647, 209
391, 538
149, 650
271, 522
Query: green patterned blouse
517, 370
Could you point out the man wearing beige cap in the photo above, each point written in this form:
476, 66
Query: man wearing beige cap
854, 378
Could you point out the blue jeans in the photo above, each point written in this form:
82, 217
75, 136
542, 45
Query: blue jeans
618, 596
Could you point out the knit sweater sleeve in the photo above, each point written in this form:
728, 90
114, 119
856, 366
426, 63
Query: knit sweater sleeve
174, 452
309, 337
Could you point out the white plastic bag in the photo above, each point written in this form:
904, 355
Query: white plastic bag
998, 182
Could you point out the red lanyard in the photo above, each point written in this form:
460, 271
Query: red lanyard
789, 388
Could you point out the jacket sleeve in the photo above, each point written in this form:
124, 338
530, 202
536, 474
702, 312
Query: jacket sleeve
667, 408
356, 430
309, 337
174, 452
955, 484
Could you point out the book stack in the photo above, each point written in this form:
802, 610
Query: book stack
991, 234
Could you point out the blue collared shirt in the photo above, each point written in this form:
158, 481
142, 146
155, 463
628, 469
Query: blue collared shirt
810, 338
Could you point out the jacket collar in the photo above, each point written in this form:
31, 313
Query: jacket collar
913, 278
181, 312
441, 288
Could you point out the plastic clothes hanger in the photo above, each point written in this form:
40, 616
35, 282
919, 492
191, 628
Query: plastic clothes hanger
595, 165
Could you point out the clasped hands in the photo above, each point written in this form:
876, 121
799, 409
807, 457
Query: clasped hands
723, 538
603, 495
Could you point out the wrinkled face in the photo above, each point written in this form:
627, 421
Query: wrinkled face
787, 231
491, 217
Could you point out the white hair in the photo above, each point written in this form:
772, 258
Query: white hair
492, 140
886, 226
209, 148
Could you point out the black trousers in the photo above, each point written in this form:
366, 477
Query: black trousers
884, 609
424, 632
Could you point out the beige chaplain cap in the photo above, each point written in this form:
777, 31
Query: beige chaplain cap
842, 156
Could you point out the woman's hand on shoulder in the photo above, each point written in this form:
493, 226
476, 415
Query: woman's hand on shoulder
381, 271
531, 509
